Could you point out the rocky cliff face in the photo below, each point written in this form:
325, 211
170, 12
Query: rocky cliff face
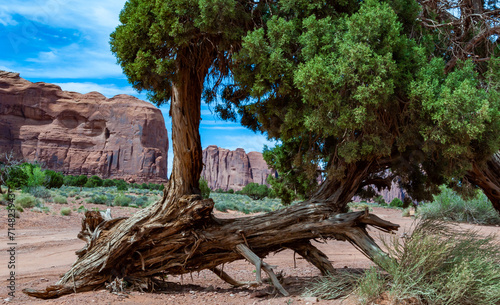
226, 169
120, 137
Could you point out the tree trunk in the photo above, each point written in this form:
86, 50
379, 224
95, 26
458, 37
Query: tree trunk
488, 179
179, 234
191, 239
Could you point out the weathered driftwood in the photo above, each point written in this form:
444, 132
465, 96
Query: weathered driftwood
187, 237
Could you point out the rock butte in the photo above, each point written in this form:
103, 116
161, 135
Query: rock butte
227, 169
82, 134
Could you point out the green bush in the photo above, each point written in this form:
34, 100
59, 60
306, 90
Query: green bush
60, 200
94, 181
98, 199
205, 190
122, 200
25, 201
53, 179
396, 203
108, 183
36, 177
65, 211
121, 185
380, 200
448, 205
38, 192
256, 191
14, 177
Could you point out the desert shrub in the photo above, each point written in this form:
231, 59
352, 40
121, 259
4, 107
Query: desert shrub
38, 192
205, 190
448, 205
108, 183
94, 181
81, 209
242, 203
98, 199
25, 201
437, 264
396, 203
380, 200
122, 200
53, 179
121, 185
141, 201
256, 191
65, 211
60, 200
14, 177
334, 286
36, 176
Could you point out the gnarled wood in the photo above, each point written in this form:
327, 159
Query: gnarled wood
488, 179
189, 238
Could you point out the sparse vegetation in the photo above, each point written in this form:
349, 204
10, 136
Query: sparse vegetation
205, 190
122, 200
448, 205
25, 201
65, 211
437, 264
396, 203
235, 202
60, 199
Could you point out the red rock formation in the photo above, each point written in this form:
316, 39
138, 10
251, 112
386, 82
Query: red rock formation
120, 137
226, 169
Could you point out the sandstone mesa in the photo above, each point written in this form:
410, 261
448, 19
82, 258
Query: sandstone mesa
82, 134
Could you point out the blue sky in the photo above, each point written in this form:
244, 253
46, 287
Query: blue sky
67, 43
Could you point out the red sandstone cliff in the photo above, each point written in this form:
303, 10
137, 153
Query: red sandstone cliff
226, 169
120, 137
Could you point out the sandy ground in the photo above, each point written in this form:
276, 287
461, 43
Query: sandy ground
46, 245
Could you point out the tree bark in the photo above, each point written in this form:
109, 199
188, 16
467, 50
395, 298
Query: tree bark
191, 239
488, 179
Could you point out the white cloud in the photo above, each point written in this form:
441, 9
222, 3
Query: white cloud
89, 56
248, 143
108, 90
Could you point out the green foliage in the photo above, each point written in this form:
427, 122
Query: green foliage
256, 191
225, 201
122, 200
296, 174
65, 211
25, 201
121, 185
38, 192
108, 183
94, 181
204, 189
396, 203
380, 200
343, 85
448, 205
98, 199
79, 181
14, 176
36, 177
60, 200
53, 179
154, 38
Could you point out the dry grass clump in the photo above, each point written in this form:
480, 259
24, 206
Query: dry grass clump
437, 264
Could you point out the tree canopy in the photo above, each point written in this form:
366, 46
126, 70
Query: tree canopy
362, 88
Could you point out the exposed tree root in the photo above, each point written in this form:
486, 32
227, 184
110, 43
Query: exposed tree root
182, 236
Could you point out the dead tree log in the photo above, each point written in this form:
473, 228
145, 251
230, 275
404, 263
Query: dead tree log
189, 238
